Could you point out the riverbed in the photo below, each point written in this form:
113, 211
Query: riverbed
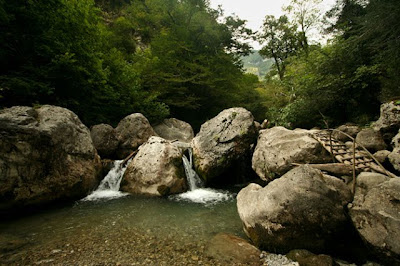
130, 230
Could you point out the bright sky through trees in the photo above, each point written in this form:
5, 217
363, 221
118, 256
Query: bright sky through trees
254, 11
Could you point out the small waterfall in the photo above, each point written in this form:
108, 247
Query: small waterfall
193, 178
109, 186
197, 193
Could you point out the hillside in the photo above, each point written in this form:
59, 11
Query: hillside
257, 65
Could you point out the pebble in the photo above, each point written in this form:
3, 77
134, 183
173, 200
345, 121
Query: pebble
271, 259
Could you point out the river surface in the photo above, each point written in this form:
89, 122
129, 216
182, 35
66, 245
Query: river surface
130, 230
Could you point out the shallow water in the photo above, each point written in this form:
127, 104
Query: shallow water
128, 230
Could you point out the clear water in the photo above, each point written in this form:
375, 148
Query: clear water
126, 230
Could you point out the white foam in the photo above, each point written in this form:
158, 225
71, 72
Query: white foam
104, 194
205, 196
109, 186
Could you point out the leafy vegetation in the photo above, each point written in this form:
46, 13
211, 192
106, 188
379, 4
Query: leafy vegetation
107, 59
181, 58
343, 81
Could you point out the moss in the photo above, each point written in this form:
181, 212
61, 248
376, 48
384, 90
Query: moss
233, 115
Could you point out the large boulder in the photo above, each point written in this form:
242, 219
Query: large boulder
223, 141
277, 148
156, 170
105, 140
371, 139
46, 154
174, 129
389, 121
132, 131
303, 209
375, 213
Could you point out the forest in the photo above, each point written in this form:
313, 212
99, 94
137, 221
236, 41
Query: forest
105, 59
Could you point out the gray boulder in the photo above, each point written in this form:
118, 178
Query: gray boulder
382, 156
375, 213
46, 154
105, 140
132, 131
303, 209
389, 121
371, 139
174, 129
156, 170
277, 148
223, 141
351, 130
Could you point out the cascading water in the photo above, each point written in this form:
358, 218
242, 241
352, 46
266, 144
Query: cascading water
197, 193
109, 186
193, 179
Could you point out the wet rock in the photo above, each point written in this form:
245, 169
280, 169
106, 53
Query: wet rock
351, 130
233, 250
277, 148
222, 142
375, 213
307, 258
174, 129
302, 209
389, 121
132, 131
156, 170
104, 140
46, 154
372, 140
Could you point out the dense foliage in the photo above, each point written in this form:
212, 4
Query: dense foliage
107, 59
345, 80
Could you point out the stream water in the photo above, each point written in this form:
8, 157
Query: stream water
111, 228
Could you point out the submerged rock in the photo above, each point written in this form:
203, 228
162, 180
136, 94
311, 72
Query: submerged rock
277, 148
156, 170
307, 258
233, 250
105, 140
302, 209
46, 154
132, 131
174, 129
223, 141
375, 213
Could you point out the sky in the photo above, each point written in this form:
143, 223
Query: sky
254, 11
